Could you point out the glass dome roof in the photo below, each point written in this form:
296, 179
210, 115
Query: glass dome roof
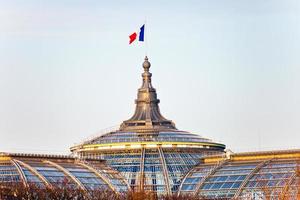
147, 125
148, 149
164, 136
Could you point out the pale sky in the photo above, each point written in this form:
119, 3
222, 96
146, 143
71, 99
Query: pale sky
227, 70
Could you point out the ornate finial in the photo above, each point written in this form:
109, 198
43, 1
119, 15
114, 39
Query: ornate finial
146, 64
147, 115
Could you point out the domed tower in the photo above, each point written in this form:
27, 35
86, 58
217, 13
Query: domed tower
148, 149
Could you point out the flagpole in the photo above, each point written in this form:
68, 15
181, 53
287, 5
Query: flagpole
146, 37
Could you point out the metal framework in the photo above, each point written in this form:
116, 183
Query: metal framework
182, 181
92, 169
249, 176
20, 171
165, 170
66, 172
35, 172
200, 184
142, 176
288, 184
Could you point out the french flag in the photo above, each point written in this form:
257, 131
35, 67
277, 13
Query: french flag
133, 36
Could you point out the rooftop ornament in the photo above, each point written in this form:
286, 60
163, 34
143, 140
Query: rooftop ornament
147, 116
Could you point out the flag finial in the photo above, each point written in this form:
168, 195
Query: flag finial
146, 64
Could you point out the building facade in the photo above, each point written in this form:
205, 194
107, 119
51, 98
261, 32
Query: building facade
148, 153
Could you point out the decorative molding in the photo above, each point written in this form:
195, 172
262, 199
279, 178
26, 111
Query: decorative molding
259, 155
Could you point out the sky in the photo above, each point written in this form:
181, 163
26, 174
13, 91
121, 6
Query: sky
226, 70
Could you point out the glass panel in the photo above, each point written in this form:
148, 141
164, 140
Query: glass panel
216, 185
188, 187
227, 185
192, 180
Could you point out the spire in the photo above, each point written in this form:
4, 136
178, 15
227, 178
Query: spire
147, 116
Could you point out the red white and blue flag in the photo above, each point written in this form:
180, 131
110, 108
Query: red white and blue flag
134, 35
